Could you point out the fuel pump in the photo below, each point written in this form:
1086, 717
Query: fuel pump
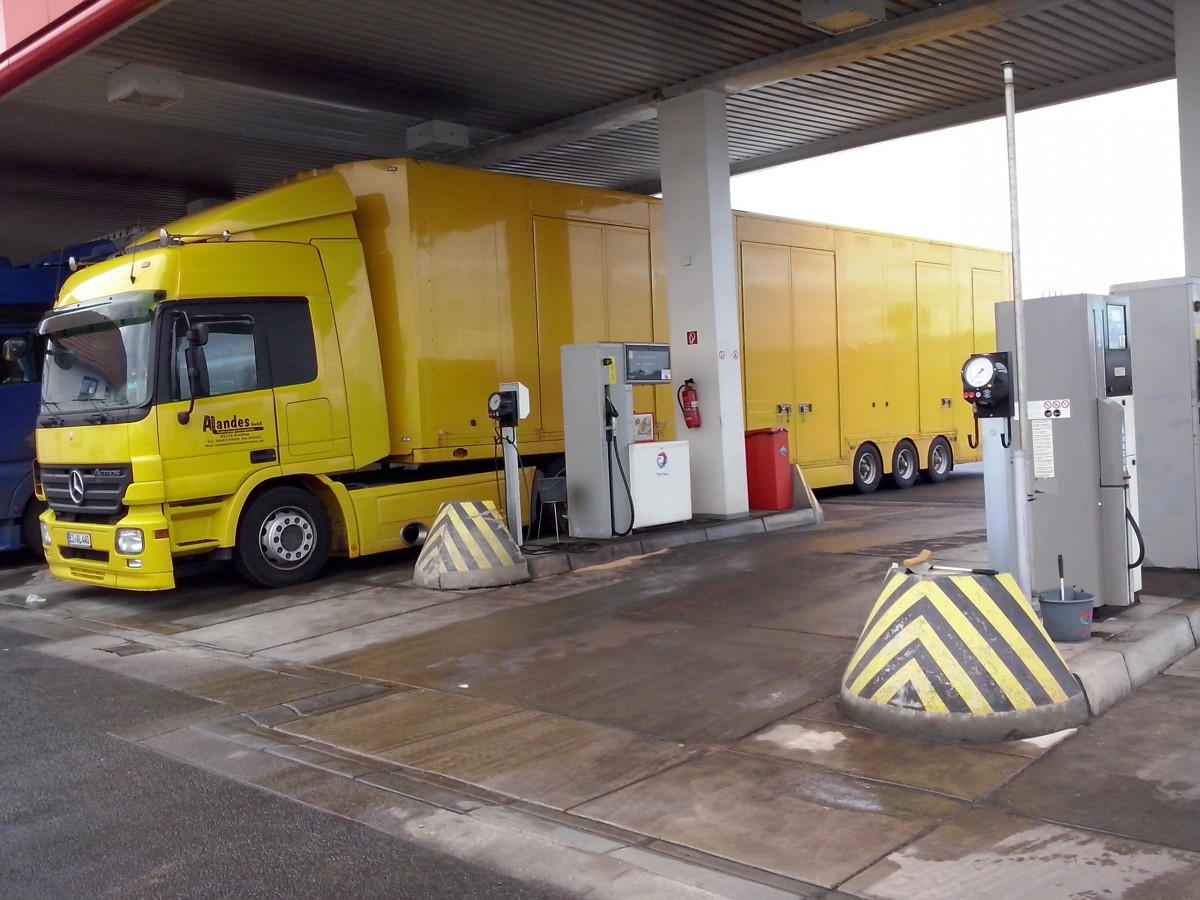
614, 482
1165, 315
1082, 503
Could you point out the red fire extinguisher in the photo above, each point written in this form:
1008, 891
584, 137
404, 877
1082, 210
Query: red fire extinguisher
689, 403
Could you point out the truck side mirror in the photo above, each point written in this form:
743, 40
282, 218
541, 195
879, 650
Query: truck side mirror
62, 357
15, 348
197, 368
197, 371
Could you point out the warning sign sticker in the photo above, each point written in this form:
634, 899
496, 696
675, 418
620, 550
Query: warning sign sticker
1043, 448
1048, 409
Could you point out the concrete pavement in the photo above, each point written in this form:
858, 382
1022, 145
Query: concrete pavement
665, 724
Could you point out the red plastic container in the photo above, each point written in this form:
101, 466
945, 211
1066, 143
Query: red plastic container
768, 469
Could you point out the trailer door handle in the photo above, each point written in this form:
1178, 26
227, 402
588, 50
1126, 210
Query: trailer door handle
262, 456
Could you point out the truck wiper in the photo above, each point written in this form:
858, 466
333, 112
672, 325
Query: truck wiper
53, 421
99, 417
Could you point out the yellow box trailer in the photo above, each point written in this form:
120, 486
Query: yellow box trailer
853, 341
305, 371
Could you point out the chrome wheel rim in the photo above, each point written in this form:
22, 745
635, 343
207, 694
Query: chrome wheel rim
867, 470
287, 538
939, 459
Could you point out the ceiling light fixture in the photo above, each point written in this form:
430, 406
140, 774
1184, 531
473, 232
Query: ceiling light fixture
148, 87
837, 16
437, 136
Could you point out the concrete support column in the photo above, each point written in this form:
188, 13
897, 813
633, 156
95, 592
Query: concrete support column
702, 289
1187, 74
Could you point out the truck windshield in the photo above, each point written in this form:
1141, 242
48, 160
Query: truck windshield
98, 354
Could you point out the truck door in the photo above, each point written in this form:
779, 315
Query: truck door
790, 332
231, 431
937, 348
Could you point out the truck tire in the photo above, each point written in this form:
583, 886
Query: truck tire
941, 461
31, 530
283, 538
868, 468
906, 464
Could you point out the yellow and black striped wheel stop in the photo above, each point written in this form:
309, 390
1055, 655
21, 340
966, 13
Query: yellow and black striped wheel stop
469, 546
959, 657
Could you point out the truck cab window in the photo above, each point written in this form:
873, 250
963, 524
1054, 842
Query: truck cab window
230, 353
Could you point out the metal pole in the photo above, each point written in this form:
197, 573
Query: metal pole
1022, 437
512, 483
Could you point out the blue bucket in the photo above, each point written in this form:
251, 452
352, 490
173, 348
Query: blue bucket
1070, 619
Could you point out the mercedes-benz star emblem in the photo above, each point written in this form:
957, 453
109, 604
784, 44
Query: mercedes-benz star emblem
75, 487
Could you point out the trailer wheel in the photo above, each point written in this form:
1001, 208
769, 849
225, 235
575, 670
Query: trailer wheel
868, 468
31, 530
941, 461
283, 538
906, 464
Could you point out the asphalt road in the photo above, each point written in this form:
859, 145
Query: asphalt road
86, 814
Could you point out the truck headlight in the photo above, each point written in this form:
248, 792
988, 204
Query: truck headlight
45, 534
130, 541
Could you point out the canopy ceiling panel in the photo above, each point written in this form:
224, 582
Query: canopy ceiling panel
561, 89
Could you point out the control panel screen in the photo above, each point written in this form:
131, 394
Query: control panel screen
647, 364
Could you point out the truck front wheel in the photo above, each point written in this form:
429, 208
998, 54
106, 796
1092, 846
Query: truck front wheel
282, 539
31, 529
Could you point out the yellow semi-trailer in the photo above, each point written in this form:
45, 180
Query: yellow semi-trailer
305, 372
854, 342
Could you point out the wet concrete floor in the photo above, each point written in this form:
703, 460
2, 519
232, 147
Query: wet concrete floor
676, 709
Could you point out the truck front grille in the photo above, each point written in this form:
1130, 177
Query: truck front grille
86, 493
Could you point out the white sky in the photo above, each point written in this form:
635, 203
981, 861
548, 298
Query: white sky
1098, 183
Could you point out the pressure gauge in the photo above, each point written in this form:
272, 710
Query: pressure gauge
985, 381
502, 407
978, 371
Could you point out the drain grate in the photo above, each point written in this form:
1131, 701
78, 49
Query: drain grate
909, 549
129, 648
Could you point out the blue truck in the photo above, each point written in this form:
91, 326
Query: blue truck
26, 293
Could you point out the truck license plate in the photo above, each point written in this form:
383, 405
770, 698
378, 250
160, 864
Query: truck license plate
79, 539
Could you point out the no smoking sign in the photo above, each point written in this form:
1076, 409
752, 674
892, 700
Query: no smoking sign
1049, 409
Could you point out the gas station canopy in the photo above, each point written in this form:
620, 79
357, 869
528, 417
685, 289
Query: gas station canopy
122, 112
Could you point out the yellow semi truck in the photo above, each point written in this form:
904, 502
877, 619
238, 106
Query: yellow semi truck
305, 371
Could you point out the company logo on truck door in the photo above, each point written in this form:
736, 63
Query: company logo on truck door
232, 431
232, 425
